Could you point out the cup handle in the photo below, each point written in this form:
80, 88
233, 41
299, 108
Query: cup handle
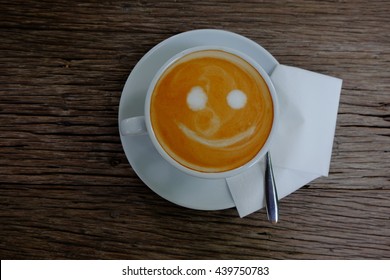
133, 126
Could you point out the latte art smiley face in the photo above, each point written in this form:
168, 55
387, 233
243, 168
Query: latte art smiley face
211, 111
197, 100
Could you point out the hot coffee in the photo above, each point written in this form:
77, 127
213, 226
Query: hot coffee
211, 111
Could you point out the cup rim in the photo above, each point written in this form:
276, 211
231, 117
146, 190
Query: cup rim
212, 175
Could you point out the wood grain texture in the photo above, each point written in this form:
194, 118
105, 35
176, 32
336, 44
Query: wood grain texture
67, 190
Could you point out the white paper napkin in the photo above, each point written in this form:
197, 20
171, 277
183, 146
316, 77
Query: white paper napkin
303, 144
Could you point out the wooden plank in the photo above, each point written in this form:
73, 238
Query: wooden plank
67, 190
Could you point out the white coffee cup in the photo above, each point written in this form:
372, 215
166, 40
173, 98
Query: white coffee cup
142, 124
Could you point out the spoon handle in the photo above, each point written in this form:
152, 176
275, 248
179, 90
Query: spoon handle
271, 195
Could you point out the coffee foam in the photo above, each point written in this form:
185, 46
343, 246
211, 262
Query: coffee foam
217, 143
211, 111
236, 99
196, 98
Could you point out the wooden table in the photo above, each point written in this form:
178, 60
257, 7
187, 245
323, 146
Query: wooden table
67, 189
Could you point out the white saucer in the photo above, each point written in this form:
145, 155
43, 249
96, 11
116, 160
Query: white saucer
154, 171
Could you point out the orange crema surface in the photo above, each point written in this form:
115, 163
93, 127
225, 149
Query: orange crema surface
211, 111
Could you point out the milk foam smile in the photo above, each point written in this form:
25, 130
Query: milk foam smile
220, 143
197, 101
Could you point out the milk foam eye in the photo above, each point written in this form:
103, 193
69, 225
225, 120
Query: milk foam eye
236, 99
196, 99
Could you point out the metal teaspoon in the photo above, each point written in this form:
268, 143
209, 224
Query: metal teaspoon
271, 195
